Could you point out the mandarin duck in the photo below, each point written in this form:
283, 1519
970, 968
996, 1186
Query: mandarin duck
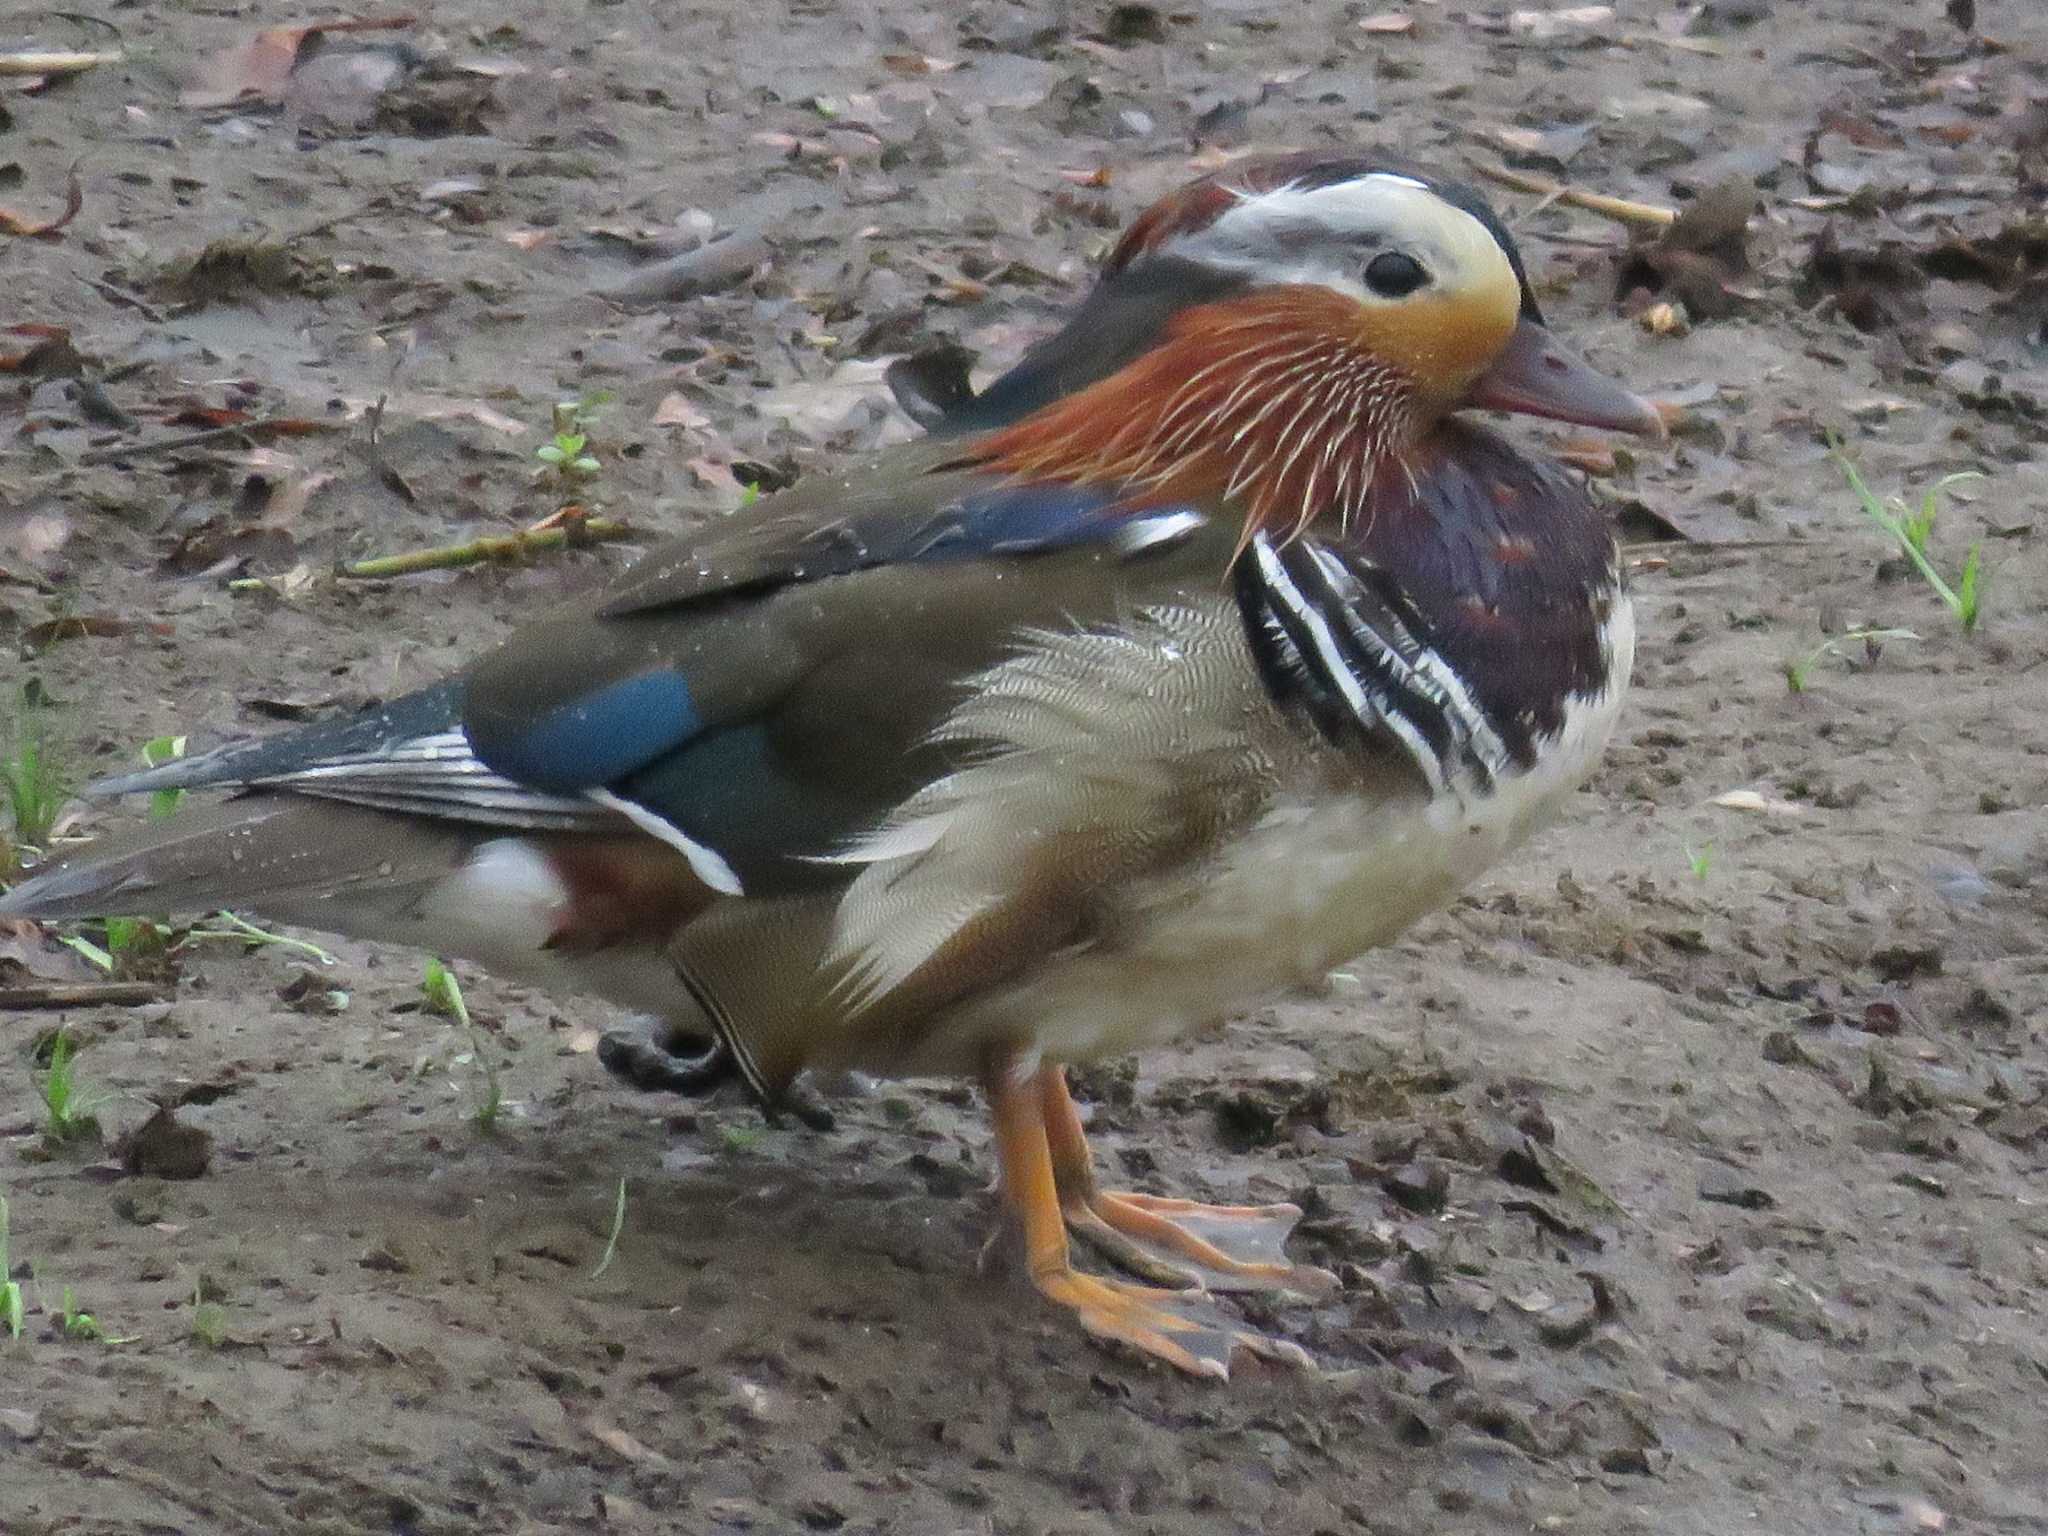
1207, 649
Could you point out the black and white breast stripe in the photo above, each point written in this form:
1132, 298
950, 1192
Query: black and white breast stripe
1349, 655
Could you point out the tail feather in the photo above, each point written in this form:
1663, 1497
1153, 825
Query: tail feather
424, 713
572, 915
278, 854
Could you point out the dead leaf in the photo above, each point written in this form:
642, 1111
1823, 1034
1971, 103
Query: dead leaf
1874, 287
297, 710
710, 267
1593, 455
451, 189
345, 86
1698, 260
676, 410
435, 408
623, 1444
488, 69
50, 353
1757, 804
262, 67
1926, 1516
1863, 132
839, 146
1553, 148
710, 473
232, 551
33, 535
1655, 104
624, 1514
207, 416
818, 409
277, 487
1545, 26
74, 199
910, 64
78, 626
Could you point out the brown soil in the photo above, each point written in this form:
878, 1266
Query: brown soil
1685, 1178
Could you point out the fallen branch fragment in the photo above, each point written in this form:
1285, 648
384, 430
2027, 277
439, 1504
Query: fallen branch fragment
34, 64
511, 546
1648, 215
88, 994
252, 431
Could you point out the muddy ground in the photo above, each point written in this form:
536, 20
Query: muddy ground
1686, 1177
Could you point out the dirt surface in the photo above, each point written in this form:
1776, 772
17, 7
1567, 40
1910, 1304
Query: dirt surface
1686, 1177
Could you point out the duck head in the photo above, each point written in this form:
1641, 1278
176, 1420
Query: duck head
1280, 331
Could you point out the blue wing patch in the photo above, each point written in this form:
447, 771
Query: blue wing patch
599, 737
673, 712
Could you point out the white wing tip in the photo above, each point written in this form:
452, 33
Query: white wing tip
705, 861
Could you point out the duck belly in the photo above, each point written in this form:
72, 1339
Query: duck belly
1316, 881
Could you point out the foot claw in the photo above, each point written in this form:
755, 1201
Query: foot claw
1184, 1243
656, 1066
695, 1068
1185, 1329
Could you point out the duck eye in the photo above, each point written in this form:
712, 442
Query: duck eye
1393, 275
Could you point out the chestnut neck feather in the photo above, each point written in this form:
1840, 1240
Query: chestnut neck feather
1263, 400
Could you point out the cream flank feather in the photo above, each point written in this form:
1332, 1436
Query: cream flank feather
1105, 754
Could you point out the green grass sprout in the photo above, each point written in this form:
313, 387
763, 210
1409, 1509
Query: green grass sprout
32, 786
567, 459
86, 950
443, 995
131, 944
209, 1317
157, 751
611, 1243
81, 1326
1911, 530
10, 1288
227, 925
1799, 670
739, 1139
67, 1114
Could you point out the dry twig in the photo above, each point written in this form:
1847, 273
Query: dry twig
86, 994
34, 64
1646, 215
512, 546
251, 431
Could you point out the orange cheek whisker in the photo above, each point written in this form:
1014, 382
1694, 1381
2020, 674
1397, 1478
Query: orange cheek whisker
1265, 401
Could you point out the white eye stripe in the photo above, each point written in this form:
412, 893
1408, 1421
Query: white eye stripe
1384, 178
1308, 234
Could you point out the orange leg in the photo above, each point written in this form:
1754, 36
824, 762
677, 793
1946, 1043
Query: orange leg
1185, 1331
1169, 1242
